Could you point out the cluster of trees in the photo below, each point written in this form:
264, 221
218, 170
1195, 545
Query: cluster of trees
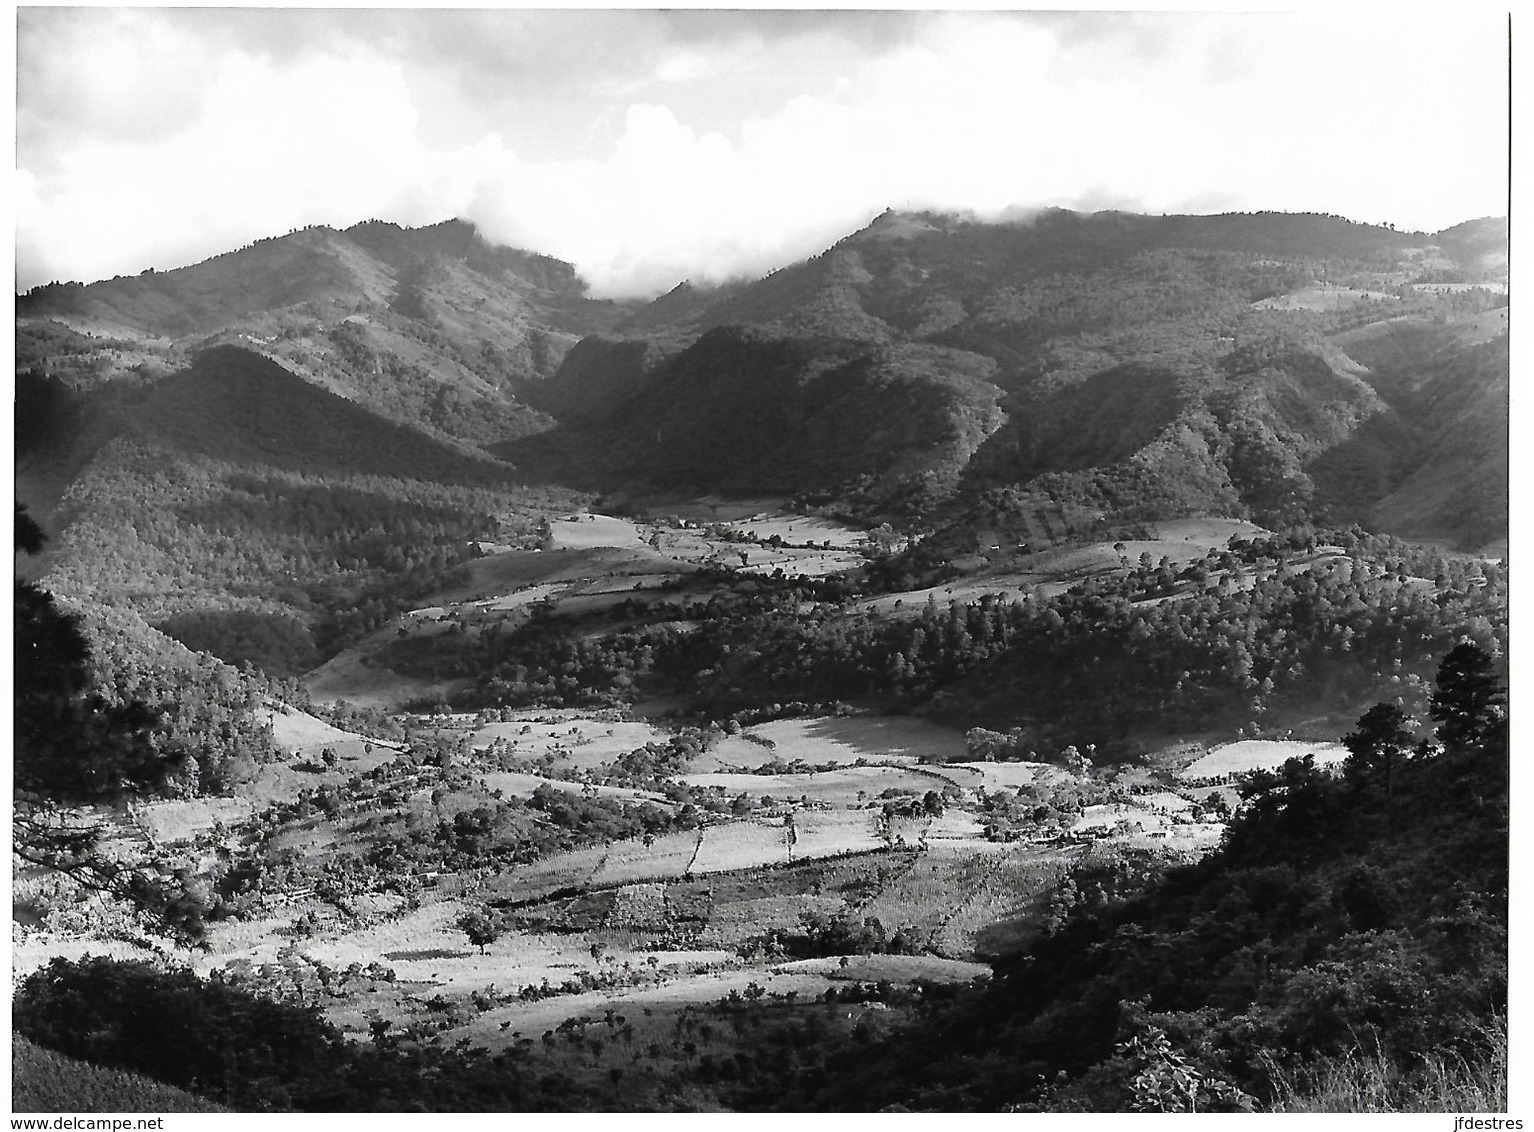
1091, 665
1251, 628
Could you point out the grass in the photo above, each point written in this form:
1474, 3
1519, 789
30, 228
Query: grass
1376, 1083
1252, 754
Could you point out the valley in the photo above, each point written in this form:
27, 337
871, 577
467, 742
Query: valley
705, 704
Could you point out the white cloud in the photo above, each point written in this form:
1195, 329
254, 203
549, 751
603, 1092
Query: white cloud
737, 149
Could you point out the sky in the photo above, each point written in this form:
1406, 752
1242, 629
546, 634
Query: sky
649, 146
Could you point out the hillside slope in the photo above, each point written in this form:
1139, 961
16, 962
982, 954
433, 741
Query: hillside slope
432, 327
1136, 368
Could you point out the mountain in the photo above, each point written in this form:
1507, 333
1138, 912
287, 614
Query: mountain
433, 327
1078, 366
747, 409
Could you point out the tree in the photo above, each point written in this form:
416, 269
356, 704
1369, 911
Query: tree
1468, 703
1380, 740
482, 926
73, 746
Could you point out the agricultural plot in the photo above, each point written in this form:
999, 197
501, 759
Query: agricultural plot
579, 532
1164, 800
996, 776
295, 730
741, 845
908, 830
1207, 533
793, 561
169, 822
846, 739
1004, 909
911, 603
960, 825
925, 896
734, 753
1322, 297
831, 834
516, 570
345, 677
577, 741
1258, 754
847, 786
800, 530
737, 923
1107, 815
890, 968
282, 780
573, 869
667, 858
520, 599
513, 784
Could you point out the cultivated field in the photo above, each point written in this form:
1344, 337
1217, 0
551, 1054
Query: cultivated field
579, 532
666, 858
849, 786
833, 833
741, 845
1258, 754
1322, 297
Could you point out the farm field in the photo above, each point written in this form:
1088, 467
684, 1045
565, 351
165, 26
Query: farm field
741, 845
994, 776
169, 822
514, 784
848, 738
579, 532
849, 786
831, 834
1258, 754
1319, 298
666, 858
801, 530
576, 741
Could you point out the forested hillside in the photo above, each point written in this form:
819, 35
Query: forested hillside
1132, 366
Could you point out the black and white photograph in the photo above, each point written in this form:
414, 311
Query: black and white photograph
581, 560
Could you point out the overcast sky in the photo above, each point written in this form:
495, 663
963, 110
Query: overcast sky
647, 147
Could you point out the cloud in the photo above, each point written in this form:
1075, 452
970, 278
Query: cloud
647, 146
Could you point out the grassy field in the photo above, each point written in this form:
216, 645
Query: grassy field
586, 530
577, 741
847, 786
169, 822
1258, 754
